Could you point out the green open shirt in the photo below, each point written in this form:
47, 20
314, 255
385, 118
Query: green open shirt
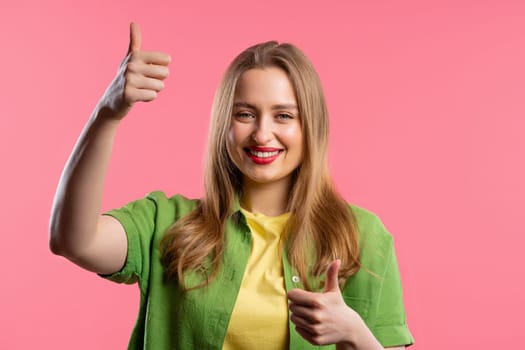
171, 319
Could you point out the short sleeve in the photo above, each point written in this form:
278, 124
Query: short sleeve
138, 220
390, 326
375, 291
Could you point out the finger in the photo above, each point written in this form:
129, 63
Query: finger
311, 338
146, 95
303, 332
153, 57
310, 315
132, 95
332, 274
317, 329
135, 38
142, 82
313, 329
304, 298
155, 71
299, 321
148, 70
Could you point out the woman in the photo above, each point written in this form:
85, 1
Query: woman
244, 266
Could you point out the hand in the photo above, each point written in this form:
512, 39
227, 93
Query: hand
139, 78
323, 318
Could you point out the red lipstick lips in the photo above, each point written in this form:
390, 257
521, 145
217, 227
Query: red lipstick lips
262, 155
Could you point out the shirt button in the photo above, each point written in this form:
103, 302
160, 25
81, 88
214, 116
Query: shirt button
296, 279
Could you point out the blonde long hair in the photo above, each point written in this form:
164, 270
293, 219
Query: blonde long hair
321, 228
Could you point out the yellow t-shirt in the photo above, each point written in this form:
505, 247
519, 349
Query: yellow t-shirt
260, 316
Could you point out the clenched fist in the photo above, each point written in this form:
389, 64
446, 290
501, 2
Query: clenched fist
140, 77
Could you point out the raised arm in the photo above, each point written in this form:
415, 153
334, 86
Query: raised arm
77, 230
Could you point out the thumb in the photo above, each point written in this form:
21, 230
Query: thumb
135, 39
332, 281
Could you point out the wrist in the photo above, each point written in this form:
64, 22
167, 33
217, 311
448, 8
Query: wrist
104, 113
351, 331
358, 336
345, 346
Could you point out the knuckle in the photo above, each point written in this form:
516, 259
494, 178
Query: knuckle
134, 56
130, 79
133, 66
317, 331
316, 318
128, 94
317, 301
316, 340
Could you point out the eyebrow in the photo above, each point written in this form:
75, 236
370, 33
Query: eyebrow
274, 107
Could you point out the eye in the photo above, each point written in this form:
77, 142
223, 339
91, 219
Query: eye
243, 115
284, 116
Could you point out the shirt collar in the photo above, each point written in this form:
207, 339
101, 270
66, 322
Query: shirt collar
236, 213
236, 204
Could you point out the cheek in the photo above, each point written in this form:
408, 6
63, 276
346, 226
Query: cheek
293, 136
238, 135
235, 142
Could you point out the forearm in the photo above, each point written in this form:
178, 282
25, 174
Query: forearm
77, 231
76, 207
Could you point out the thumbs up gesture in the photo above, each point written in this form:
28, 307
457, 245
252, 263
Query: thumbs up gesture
140, 77
324, 318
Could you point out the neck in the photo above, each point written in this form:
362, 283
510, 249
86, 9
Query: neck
268, 199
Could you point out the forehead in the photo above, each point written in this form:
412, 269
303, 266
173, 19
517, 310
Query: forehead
262, 86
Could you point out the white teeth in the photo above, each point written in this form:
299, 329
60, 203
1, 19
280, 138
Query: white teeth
264, 154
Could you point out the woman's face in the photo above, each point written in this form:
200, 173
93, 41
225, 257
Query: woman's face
265, 138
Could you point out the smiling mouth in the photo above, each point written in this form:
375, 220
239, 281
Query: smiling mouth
260, 154
263, 156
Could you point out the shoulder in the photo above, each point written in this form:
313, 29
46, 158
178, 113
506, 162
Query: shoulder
155, 208
179, 200
370, 227
375, 253
376, 244
176, 202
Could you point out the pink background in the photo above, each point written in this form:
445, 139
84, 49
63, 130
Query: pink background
427, 108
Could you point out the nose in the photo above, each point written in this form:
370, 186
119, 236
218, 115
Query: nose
263, 132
